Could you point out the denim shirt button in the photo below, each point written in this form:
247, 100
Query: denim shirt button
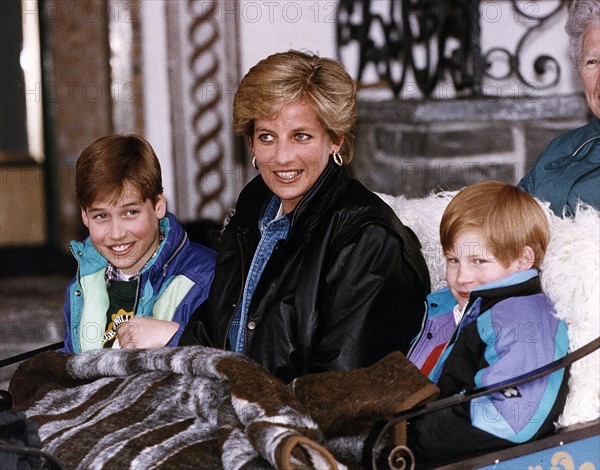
251, 325
78, 293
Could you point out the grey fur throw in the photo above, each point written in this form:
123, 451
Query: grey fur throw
198, 407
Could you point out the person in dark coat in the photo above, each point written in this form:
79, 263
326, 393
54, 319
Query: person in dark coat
314, 271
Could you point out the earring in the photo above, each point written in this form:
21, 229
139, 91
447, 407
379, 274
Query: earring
254, 162
337, 158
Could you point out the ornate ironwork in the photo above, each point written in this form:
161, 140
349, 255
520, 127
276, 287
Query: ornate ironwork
543, 65
436, 41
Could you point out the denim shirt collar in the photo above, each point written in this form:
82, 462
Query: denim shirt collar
270, 214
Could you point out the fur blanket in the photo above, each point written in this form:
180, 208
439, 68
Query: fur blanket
204, 408
570, 276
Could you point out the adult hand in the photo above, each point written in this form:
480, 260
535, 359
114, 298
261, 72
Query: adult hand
141, 332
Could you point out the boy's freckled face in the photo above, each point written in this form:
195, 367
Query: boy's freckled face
125, 233
470, 264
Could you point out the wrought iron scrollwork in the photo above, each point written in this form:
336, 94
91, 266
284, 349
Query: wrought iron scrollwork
433, 39
436, 41
401, 458
543, 65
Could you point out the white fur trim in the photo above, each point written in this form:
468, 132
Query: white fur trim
571, 278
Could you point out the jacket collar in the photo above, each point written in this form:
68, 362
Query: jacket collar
595, 124
518, 284
90, 261
255, 197
311, 207
590, 135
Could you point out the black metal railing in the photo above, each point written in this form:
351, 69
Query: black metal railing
430, 42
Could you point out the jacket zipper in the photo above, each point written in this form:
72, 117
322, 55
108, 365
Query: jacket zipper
457, 331
584, 144
175, 253
241, 295
78, 277
423, 323
137, 294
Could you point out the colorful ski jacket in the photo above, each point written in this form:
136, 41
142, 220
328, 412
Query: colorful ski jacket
509, 328
170, 287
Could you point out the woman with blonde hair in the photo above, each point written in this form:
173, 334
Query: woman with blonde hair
314, 271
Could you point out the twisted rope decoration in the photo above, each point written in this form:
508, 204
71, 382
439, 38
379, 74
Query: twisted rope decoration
207, 122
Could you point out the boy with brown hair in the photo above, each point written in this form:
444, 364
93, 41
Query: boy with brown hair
490, 324
139, 277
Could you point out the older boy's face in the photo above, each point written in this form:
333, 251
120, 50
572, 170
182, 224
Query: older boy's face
470, 264
125, 233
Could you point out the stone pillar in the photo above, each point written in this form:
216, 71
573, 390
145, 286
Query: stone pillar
77, 99
22, 218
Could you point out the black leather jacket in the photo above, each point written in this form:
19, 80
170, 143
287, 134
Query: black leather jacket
345, 288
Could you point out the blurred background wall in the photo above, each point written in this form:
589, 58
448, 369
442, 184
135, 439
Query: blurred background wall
451, 92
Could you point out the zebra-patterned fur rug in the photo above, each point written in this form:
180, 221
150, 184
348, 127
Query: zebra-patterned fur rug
204, 408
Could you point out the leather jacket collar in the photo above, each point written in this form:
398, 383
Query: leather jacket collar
255, 197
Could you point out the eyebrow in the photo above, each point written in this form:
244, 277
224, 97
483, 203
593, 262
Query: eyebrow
306, 128
127, 204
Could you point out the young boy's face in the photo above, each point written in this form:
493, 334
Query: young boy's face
125, 233
470, 264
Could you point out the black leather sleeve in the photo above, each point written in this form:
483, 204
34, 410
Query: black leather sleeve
195, 333
375, 302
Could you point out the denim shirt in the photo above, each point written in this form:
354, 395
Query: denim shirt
272, 229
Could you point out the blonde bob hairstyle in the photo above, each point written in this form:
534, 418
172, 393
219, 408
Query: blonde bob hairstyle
108, 163
295, 76
509, 218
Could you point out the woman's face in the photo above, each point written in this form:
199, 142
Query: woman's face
292, 151
590, 67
